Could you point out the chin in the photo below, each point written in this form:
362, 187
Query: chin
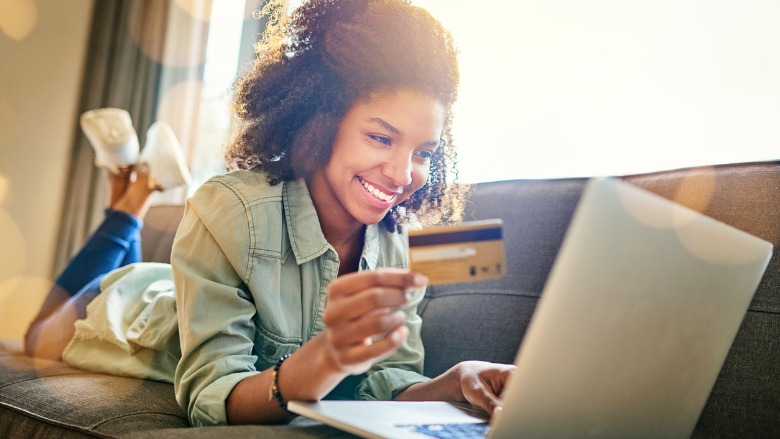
373, 219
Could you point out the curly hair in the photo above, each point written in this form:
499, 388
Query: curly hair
312, 66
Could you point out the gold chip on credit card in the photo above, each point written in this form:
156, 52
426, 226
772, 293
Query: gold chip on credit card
465, 252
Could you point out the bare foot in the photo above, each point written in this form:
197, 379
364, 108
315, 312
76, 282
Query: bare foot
135, 200
118, 182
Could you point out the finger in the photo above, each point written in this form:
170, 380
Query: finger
358, 305
372, 352
355, 333
387, 277
485, 399
499, 384
497, 381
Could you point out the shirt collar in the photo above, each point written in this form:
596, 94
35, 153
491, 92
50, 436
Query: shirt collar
370, 256
303, 225
306, 237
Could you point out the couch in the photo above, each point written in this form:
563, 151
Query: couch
482, 320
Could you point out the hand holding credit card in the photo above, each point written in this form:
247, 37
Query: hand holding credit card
465, 252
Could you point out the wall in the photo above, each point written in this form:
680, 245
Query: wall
43, 46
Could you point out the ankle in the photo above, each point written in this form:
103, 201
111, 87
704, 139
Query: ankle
136, 200
118, 180
134, 208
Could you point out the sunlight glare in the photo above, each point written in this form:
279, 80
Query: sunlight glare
568, 88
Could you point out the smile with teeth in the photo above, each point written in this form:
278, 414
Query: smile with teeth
375, 191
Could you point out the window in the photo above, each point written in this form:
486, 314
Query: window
568, 88
221, 67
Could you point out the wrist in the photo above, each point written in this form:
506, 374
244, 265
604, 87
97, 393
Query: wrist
275, 393
445, 387
455, 385
326, 360
309, 374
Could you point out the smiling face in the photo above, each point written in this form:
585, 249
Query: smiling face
380, 156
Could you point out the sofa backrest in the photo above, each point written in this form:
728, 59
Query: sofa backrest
159, 229
746, 196
536, 214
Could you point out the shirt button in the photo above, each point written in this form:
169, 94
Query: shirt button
270, 350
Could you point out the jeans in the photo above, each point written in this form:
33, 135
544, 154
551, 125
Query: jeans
115, 243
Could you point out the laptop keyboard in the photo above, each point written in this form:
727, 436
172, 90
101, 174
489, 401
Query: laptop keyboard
453, 431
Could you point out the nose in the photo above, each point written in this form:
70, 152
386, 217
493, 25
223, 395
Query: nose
399, 168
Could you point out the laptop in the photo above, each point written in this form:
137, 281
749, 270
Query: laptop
633, 326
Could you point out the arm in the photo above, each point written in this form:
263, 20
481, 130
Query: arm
360, 307
214, 309
216, 381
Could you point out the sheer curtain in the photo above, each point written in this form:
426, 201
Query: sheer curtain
147, 57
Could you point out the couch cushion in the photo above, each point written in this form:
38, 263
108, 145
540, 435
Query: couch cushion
41, 398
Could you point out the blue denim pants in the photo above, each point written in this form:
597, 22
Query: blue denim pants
115, 243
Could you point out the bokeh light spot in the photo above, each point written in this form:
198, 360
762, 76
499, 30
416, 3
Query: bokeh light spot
12, 263
18, 18
176, 106
697, 189
707, 240
649, 214
20, 299
3, 188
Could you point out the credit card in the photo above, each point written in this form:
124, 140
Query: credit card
465, 252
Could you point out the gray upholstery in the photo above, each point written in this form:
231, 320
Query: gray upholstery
41, 398
160, 226
484, 320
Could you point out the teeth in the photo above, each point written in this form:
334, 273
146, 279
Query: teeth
376, 192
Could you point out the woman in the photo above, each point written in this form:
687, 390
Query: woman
290, 273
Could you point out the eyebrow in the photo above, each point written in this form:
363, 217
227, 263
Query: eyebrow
386, 125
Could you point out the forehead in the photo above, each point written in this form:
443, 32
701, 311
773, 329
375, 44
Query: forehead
407, 110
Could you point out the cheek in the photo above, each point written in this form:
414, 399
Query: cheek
419, 176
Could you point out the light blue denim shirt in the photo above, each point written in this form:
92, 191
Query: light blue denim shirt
251, 270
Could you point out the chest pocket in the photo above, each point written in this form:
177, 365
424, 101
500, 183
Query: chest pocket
271, 347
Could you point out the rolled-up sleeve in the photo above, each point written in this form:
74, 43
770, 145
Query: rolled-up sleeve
210, 257
391, 376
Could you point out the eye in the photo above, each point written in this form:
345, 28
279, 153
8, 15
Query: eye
381, 139
425, 155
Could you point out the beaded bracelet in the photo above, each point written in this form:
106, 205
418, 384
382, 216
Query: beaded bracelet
274, 392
